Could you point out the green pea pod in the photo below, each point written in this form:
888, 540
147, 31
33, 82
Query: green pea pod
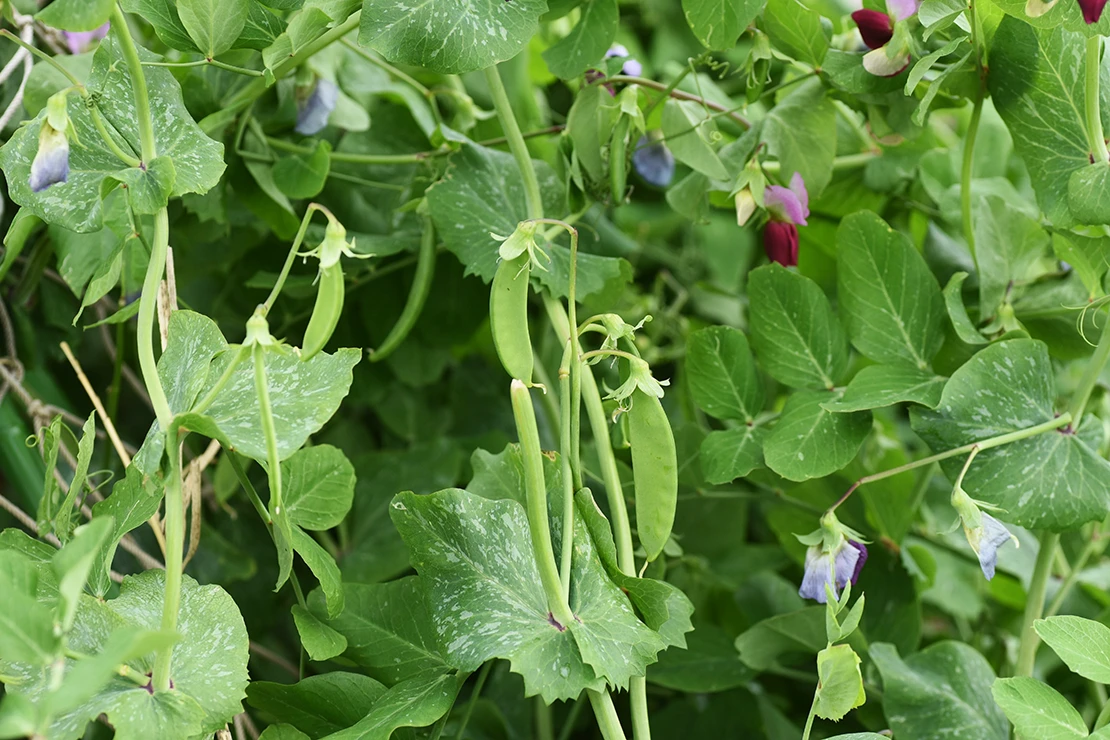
618, 175
325, 314
654, 471
418, 293
508, 317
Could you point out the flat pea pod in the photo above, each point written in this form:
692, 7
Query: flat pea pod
654, 471
618, 175
418, 293
325, 314
508, 317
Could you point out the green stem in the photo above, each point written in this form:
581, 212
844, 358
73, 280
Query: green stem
175, 544
286, 146
483, 674
986, 444
1034, 603
571, 720
844, 162
221, 383
536, 494
123, 670
1091, 374
5, 33
1094, 547
147, 304
809, 717
273, 461
564, 461
102, 129
1094, 119
681, 95
670, 88
965, 172
276, 290
418, 294
610, 353
138, 84
209, 62
545, 726
607, 720
382, 64
519, 149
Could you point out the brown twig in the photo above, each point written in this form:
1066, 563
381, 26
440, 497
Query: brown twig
264, 652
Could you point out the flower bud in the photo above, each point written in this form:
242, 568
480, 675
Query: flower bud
1092, 10
51, 162
875, 27
745, 206
780, 242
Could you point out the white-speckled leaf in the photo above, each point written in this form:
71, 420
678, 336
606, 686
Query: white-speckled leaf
1054, 480
197, 159
319, 485
942, 692
318, 705
449, 36
876, 386
209, 663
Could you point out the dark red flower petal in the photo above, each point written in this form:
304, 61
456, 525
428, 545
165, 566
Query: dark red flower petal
1092, 10
780, 242
876, 28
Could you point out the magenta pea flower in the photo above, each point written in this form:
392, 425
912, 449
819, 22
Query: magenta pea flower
884, 34
632, 67
836, 568
80, 41
1092, 10
314, 110
788, 208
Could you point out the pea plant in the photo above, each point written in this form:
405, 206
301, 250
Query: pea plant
504, 369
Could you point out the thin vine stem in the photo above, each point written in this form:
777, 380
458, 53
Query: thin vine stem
607, 720
175, 543
966, 171
1034, 603
207, 62
138, 83
293, 250
1091, 375
680, 95
517, 147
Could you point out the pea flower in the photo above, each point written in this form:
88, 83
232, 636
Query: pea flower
523, 239
639, 376
334, 246
835, 558
80, 41
632, 67
886, 36
788, 208
51, 163
984, 533
653, 161
315, 109
745, 206
1092, 9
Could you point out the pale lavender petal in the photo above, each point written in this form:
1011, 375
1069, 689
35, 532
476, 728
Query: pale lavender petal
79, 41
51, 162
818, 572
314, 113
849, 560
617, 50
994, 536
798, 187
632, 68
900, 10
784, 203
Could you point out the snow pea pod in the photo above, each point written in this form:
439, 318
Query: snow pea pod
325, 314
654, 471
618, 160
508, 317
418, 293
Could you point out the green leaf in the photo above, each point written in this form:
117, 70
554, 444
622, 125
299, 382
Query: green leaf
943, 690
76, 15
197, 160
317, 705
214, 25
389, 629
318, 486
1037, 710
799, 341
722, 374
89, 675
63, 523
478, 566
810, 442
1050, 481
1037, 85
26, 625
587, 42
209, 663
71, 569
283, 732
957, 312
415, 702
708, 664
801, 132
1089, 193
320, 641
129, 506
878, 386
718, 23
688, 131
163, 17
148, 189
732, 453
1065, 15
323, 566
449, 36
796, 30
1008, 244
1083, 644
801, 631
839, 682
1088, 256
304, 175
889, 299
482, 193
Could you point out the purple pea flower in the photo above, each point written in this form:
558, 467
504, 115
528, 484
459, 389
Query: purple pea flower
984, 533
836, 567
788, 208
80, 41
653, 161
51, 162
632, 67
313, 112
890, 51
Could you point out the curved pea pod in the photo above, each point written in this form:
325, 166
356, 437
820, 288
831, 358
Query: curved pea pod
508, 317
325, 314
654, 471
618, 175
